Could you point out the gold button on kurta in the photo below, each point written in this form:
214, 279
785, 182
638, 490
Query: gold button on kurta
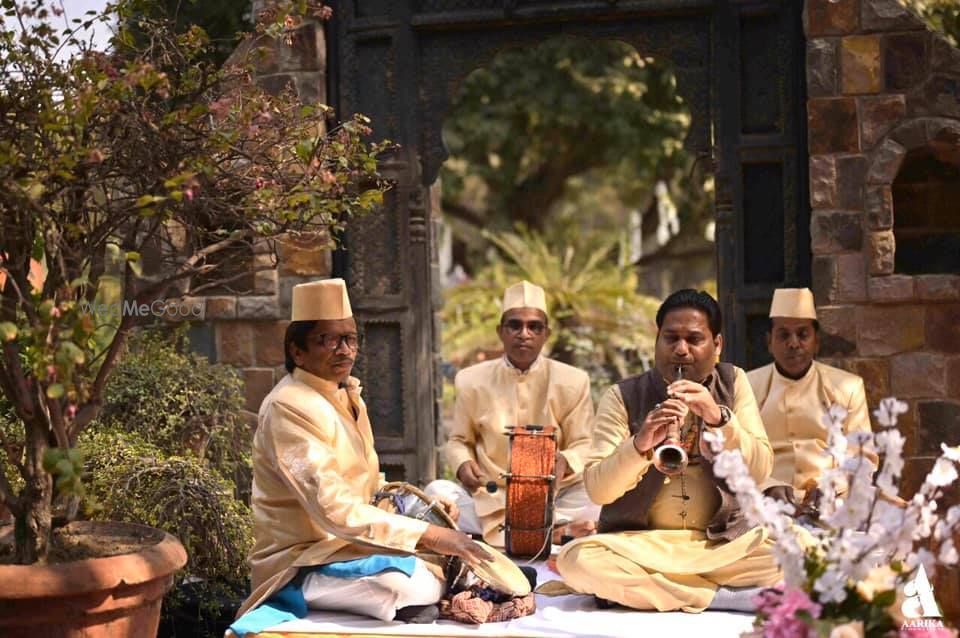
493, 395
315, 471
792, 411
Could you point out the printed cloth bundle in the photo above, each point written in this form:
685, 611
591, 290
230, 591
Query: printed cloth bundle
477, 605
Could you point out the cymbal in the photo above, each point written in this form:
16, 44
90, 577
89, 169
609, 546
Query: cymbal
501, 573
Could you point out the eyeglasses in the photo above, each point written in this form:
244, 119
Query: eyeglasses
333, 342
516, 326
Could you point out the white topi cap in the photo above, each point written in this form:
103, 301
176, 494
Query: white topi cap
793, 303
524, 295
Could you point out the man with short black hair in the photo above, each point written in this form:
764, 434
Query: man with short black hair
521, 388
795, 392
674, 542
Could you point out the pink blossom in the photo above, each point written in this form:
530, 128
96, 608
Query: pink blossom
781, 610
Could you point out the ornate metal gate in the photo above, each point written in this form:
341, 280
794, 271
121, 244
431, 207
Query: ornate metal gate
740, 68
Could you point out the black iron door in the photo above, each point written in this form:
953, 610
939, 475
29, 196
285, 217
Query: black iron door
740, 67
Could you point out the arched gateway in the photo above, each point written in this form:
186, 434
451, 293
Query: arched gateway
740, 68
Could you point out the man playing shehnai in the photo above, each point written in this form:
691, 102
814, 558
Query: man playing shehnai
677, 543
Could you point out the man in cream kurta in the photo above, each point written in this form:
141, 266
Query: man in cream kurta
521, 388
660, 545
314, 473
795, 392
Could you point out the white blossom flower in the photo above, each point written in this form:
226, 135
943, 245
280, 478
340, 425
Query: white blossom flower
714, 438
831, 586
952, 453
835, 416
943, 473
889, 410
948, 553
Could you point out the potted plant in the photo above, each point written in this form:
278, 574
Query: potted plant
131, 179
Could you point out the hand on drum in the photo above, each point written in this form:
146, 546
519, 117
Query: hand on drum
470, 475
450, 508
561, 469
450, 542
654, 428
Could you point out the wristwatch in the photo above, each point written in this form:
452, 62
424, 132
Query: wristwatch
725, 416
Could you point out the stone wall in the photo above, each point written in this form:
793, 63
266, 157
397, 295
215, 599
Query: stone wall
246, 331
879, 86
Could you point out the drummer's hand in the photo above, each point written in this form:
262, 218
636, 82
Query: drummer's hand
450, 508
470, 475
562, 468
654, 428
450, 542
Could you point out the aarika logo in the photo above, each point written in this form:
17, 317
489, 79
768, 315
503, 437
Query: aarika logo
919, 606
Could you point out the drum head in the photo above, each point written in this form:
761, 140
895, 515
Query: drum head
501, 573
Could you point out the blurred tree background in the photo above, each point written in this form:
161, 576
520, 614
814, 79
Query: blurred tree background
566, 167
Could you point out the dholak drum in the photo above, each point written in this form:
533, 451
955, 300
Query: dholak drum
528, 523
500, 573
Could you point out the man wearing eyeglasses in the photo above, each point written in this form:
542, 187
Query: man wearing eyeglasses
318, 539
521, 388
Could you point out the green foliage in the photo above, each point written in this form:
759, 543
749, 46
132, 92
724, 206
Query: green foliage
943, 16
179, 402
532, 120
140, 168
171, 450
599, 321
133, 481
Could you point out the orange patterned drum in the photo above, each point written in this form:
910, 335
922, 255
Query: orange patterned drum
528, 523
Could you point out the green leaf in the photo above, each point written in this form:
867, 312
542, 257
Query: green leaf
8, 331
885, 599
148, 200
55, 391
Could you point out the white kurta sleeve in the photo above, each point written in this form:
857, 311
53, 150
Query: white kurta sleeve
305, 459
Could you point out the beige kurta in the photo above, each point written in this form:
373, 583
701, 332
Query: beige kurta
494, 395
792, 411
668, 567
314, 472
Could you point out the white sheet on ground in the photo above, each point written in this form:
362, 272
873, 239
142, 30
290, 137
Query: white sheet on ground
557, 616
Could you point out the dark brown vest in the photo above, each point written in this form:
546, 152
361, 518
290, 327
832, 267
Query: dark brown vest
629, 512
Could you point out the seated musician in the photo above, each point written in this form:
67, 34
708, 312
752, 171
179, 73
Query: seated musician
674, 543
314, 473
794, 393
521, 388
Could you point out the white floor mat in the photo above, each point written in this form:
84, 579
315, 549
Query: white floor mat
556, 616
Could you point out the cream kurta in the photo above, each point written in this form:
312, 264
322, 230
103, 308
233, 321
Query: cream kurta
494, 395
314, 472
792, 411
668, 568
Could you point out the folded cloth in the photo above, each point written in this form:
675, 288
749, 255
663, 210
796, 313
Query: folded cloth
289, 603
369, 566
470, 606
286, 604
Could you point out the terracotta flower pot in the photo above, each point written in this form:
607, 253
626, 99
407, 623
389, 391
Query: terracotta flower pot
113, 597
